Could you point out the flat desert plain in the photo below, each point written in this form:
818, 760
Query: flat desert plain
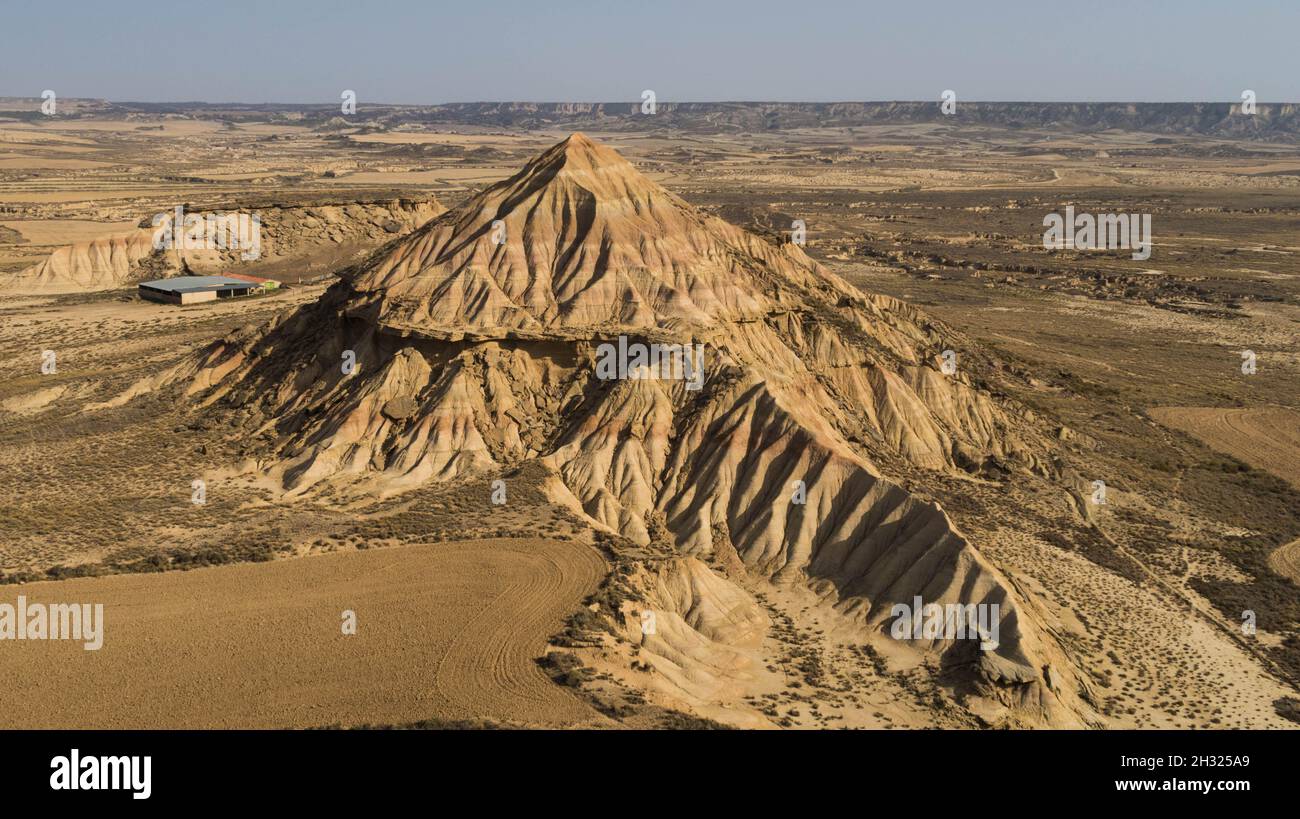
445, 632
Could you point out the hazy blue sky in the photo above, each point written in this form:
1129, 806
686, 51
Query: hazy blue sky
426, 52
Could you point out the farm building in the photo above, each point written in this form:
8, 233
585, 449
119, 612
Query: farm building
194, 289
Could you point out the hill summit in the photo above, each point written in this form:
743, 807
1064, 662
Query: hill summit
578, 241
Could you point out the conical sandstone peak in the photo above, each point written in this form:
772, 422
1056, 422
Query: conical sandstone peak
578, 154
807, 382
582, 242
592, 250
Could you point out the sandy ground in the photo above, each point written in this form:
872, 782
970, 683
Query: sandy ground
443, 631
49, 163
67, 231
1286, 561
1155, 664
1267, 438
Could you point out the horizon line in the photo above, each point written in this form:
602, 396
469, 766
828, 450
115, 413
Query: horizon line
636, 102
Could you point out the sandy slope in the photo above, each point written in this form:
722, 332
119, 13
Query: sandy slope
447, 630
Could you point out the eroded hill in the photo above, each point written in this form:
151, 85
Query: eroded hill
288, 234
470, 347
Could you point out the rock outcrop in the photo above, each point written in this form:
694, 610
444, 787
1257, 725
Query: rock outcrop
286, 232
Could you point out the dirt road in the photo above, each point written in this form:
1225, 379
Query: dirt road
446, 630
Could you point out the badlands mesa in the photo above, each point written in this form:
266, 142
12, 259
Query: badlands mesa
421, 429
